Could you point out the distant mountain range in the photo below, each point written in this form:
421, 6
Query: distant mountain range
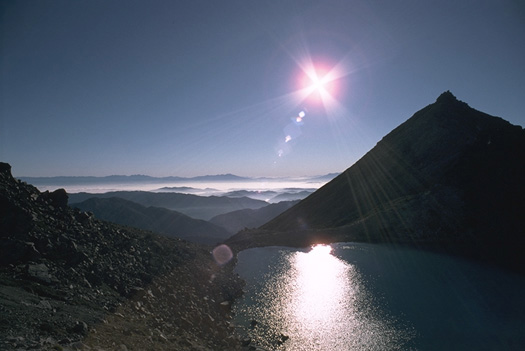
119, 179
175, 224
272, 196
184, 189
449, 178
199, 207
291, 196
139, 178
159, 220
324, 178
248, 218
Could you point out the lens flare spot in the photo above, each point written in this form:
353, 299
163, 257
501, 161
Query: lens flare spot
222, 254
287, 139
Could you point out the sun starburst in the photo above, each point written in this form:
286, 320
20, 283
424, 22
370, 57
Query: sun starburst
319, 82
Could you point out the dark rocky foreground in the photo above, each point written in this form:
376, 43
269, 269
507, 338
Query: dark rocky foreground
70, 282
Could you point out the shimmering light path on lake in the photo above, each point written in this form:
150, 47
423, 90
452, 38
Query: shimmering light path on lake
316, 301
377, 297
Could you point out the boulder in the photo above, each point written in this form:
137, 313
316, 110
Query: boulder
57, 198
40, 273
5, 168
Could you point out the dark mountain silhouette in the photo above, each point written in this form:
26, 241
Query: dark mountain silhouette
157, 219
324, 178
200, 207
248, 218
184, 189
272, 196
291, 196
450, 177
71, 282
253, 194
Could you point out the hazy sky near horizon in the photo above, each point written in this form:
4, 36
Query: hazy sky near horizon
190, 88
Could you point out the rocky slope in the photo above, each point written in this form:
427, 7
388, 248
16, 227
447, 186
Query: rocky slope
450, 177
157, 219
71, 282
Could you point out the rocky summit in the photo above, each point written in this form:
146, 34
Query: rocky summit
71, 282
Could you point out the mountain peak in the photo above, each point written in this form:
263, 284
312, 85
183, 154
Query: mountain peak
448, 99
447, 96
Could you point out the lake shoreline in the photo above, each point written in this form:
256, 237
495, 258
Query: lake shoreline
252, 238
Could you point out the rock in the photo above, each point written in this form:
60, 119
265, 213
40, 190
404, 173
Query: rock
246, 341
80, 328
15, 251
45, 305
59, 198
80, 346
283, 338
40, 273
47, 327
5, 168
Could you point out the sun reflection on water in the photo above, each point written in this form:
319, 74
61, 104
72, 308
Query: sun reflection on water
320, 290
316, 301
318, 285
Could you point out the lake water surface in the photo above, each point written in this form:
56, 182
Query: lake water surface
351, 296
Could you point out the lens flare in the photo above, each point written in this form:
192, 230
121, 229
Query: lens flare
222, 254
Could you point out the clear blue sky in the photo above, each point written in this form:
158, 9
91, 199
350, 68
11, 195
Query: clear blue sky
208, 87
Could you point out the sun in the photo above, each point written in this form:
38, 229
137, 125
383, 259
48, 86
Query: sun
317, 83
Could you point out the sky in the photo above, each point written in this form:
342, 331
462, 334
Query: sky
254, 88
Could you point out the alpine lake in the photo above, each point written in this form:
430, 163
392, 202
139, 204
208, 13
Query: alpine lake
353, 296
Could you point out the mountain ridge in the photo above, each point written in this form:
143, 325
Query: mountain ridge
198, 207
110, 179
157, 219
249, 218
128, 178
